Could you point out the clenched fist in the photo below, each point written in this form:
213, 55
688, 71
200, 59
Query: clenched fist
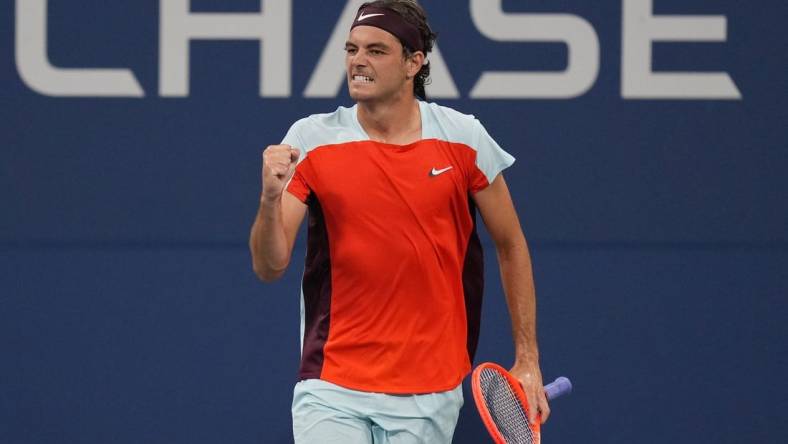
279, 162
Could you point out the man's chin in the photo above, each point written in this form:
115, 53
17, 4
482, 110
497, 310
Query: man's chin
360, 96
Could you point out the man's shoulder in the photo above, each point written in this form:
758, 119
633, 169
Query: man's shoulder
448, 113
325, 129
342, 116
449, 124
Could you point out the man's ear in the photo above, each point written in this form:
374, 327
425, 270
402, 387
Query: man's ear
415, 62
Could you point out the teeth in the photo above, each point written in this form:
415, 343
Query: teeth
364, 79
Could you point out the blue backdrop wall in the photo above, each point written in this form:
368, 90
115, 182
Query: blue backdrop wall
130, 145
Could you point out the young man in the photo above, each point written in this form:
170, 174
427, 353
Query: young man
391, 292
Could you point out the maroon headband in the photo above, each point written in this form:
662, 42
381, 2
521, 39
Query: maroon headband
392, 22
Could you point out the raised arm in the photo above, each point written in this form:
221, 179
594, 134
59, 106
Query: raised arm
500, 218
279, 216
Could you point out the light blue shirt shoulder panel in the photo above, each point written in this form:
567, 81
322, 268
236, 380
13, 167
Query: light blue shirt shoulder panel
340, 126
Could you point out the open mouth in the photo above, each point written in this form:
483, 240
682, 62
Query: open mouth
362, 79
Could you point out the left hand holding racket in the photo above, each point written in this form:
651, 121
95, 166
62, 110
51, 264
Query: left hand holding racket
530, 378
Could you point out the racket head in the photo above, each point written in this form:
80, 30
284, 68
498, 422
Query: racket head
502, 405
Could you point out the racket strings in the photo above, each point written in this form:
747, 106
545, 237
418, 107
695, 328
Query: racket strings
505, 409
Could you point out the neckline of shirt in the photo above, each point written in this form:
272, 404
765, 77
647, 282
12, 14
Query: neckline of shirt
424, 129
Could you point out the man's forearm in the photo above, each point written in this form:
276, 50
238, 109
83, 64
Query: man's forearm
268, 242
518, 283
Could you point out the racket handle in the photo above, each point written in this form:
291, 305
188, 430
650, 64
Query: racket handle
560, 387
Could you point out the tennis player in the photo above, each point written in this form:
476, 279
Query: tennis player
392, 284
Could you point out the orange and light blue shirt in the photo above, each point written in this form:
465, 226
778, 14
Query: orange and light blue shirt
393, 275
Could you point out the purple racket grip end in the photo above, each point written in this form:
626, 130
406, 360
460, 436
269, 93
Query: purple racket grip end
560, 387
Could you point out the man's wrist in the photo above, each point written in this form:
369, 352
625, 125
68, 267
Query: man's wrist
267, 201
527, 357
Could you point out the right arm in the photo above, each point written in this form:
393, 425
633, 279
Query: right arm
279, 216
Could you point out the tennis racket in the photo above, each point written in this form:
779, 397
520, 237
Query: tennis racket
503, 407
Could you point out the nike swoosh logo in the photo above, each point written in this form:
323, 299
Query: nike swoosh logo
363, 16
435, 172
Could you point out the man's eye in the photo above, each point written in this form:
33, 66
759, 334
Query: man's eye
376, 52
350, 50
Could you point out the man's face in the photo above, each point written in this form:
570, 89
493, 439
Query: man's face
376, 68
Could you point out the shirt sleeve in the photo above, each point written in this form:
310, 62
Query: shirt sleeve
491, 159
298, 185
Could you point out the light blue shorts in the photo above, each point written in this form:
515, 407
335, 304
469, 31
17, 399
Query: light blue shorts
326, 413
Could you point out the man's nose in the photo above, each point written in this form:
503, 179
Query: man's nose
358, 59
